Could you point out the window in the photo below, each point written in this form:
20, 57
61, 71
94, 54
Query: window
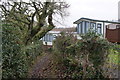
78, 28
45, 38
87, 26
51, 38
93, 25
83, 27
54, 37
99, 28
48, 38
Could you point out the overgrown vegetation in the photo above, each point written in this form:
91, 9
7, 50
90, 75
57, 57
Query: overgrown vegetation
83, 58
74, 58
33, 18
16, 57
114, 55
24, 24
13, 58
62, 43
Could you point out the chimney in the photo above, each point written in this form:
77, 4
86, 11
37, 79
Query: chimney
119, 11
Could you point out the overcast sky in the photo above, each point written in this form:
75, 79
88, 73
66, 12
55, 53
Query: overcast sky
94, 9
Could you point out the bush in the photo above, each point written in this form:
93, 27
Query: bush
13, 58
33, 50
94, 49
17, 58
62, 43
88, 54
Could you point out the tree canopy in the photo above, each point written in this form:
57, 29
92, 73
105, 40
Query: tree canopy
34, 19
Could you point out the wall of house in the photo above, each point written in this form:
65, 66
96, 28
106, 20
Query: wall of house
84, 26
49, 37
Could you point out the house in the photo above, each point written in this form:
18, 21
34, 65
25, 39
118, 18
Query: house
84, 24
109, 30
51, 35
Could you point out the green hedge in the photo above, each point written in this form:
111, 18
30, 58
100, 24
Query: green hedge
16, 57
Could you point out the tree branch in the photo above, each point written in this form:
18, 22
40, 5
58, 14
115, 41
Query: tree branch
44, 30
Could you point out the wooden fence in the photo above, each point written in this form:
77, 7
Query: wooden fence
113, 35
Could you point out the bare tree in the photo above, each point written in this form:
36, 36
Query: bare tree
34, 19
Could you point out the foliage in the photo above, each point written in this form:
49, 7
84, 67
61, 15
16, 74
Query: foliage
17, 57
33, 50
27, 22
95, 50
13, 58
95, 47
114, 56
85, 57
62, 43
34, 19
113, 62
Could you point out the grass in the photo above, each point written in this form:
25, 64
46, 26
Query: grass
114, 56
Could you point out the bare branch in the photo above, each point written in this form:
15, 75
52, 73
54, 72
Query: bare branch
36, 17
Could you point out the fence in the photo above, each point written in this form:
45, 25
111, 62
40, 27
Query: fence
113, 35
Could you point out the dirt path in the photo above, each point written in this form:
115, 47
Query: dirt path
41, 66
44, 68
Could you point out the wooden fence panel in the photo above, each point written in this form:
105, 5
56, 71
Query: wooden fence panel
113, 35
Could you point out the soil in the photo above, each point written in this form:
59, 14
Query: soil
41, 66
46, 68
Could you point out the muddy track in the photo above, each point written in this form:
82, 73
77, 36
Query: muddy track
38, 70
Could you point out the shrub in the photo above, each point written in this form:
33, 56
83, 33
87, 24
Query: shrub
17, 58
62, 43
33, 50
13, 58
88, 54
94, 50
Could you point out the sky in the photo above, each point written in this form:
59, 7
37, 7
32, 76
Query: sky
94, 9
